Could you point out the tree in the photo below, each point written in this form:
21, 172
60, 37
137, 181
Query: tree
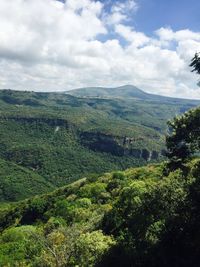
91, 247
184, 139
195, 64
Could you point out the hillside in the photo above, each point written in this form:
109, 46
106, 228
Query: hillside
110, 220
58, 138
17, 182
143, 216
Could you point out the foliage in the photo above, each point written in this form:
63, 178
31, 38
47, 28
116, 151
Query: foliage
91, 247
184, 139
195, 64
135, 217
18, 182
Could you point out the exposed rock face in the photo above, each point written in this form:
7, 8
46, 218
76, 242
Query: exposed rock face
101, 142
118, 146
96, 141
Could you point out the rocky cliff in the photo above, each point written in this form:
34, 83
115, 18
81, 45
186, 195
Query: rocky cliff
118, 146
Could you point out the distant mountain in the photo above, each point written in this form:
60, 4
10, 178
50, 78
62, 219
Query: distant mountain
123, 91
126, 91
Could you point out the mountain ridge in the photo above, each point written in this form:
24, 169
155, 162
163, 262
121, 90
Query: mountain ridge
123, 91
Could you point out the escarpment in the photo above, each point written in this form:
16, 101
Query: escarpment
119, 146
136, 147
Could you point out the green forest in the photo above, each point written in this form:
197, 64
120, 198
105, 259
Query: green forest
143, 216
49, 140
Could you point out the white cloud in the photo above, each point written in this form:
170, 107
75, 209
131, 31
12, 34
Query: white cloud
49, 45
120, 11
136, 38
167, 34
124, 7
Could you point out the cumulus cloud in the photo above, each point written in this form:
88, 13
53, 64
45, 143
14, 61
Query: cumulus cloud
168, 34
137, 39
59, 45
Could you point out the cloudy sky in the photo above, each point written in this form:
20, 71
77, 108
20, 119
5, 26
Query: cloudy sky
51, 45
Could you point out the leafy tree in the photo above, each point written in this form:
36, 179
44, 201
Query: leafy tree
91, 247
94, 191
16, 246
184, 139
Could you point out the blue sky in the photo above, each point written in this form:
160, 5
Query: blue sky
178, 14
154, 14
49, 45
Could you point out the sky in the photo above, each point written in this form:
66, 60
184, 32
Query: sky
57, 45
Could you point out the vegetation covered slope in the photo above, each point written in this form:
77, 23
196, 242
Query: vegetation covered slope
147, 216
62, 138
137, 217
51, 151
17, 182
